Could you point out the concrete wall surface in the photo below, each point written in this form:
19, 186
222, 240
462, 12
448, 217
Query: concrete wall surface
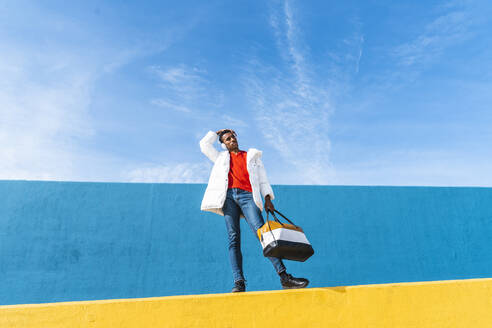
68, 241
450, 304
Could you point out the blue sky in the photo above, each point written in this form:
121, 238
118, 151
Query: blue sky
348, 93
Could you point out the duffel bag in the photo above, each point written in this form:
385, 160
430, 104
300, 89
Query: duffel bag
284, 240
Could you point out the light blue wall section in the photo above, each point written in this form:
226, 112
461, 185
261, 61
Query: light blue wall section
63, 241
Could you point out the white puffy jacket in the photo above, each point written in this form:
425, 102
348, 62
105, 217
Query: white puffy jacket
215, 194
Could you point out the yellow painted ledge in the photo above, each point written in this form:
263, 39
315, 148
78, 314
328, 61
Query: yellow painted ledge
457, 303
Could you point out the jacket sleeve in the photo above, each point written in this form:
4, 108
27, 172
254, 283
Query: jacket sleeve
265, 187
206, 146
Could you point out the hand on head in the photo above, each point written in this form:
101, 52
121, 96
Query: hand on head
228, 140
228, 130
221, 132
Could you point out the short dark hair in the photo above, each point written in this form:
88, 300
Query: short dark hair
224, 132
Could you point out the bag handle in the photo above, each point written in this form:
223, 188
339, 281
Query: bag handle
268, 223
274, 217
277, 220
273, 214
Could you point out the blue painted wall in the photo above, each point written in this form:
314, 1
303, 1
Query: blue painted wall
66, 241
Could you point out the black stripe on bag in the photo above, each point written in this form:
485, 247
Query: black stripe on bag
288, 250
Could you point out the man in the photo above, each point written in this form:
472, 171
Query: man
237, 182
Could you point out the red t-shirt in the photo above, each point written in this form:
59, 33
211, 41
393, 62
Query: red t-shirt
238, 172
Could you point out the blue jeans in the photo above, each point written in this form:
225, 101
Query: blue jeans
238, 201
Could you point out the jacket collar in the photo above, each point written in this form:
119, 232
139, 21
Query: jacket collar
253, 153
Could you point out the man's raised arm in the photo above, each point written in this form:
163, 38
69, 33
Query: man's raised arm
207, 145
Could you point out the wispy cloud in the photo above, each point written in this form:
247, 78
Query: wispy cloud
45, 117
46, 91
444, 31
293, 106
356, 42
172, 173
359, 55
181, 79
40, 120
185, 89
233, 122
166, 104
417, 167
343, 58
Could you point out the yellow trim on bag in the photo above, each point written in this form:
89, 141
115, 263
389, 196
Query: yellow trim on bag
275, 225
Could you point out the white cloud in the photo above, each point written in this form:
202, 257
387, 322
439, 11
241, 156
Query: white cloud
40, 118
186, 89
234, 122
359, 57
178, 75
181, 82
181, 78
293, 107
166, 104
46, 89
444, 31
417, 168
171, 173
356, 44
